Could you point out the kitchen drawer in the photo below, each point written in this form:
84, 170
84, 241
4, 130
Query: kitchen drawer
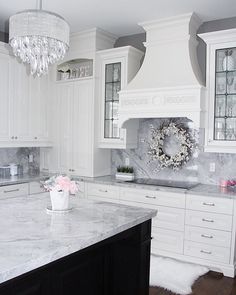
35, 187
160, 198
169, 218
167, 240
208, 236
101, 190
14, 190
209, 220
208, 252
103, 199
210, 204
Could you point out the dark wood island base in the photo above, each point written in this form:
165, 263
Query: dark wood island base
116, 266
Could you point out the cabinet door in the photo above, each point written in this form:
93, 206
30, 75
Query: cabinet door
39, 93
82, 112
64, 119
4, 98
20, 102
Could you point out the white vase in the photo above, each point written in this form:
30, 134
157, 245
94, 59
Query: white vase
228, 63
59, 200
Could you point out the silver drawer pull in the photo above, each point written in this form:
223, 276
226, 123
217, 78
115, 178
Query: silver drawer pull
11, 191
206, 236
150, 197
206, 252
103, 191
208, 204
207, 220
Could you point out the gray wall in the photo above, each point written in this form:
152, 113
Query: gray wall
4, 37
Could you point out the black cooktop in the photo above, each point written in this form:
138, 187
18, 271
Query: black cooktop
168, 183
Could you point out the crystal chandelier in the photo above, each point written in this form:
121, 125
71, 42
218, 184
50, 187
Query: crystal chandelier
39, 38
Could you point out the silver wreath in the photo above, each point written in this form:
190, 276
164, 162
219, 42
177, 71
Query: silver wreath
156, 146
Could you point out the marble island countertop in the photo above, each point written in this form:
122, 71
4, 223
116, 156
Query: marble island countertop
31, 238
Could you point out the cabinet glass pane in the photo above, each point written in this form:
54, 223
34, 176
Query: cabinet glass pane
231, 82
220, 83
231, 128
108, 128
231, 106
112, 87
109, 111
109, 91
220, 106
109, 73
116, 131
225, 94
219, 129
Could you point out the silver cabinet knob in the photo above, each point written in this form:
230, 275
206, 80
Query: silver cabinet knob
35, 137
15, 137
12, 137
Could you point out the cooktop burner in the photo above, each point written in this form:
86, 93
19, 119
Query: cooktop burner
168, 183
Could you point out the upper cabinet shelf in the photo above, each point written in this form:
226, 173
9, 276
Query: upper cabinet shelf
75, 69
220, 135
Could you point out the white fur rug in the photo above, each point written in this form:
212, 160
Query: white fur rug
174, 275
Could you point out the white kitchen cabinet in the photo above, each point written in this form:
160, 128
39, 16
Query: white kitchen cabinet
4, 97
220, 131
39, 92
20, 102
72, 106
23, 104
116, 67
191, 228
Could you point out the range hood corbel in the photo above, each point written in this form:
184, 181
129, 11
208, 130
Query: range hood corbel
169, 83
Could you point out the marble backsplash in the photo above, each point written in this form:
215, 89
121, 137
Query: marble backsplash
197, 169
21, 156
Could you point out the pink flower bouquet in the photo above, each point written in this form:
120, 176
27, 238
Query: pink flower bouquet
61, 184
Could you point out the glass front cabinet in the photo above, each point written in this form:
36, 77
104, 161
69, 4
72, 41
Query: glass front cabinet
220, 132
116, 68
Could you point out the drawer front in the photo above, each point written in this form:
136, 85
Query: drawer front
208, 252
208, 204
169, 218
14, 190
103, 199
208, 220
208, 236
35, 187
100, 190
159, 198
167, 240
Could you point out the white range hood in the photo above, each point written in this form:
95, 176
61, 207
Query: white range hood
169, 84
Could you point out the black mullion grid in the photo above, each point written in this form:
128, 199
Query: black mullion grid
112, 101
226, 93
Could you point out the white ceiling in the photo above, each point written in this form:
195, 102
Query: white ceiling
119, 17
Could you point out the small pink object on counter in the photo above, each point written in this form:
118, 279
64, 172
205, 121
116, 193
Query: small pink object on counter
229, 182
225, 183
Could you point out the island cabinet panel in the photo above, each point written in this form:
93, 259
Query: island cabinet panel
116, 266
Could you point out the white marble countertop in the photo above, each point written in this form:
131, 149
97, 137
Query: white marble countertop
31, 238
22, 179
111, 180
200, 189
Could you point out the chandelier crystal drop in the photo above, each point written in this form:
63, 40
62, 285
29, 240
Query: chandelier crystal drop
39, 38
